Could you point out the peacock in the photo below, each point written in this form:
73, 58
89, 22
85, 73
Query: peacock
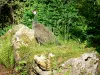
42, 34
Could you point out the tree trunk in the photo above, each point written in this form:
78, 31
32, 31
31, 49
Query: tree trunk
11, 15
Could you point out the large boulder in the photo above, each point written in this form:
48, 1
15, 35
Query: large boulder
22, 35
85, 65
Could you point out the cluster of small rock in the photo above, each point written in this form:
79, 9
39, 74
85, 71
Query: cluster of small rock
85, 65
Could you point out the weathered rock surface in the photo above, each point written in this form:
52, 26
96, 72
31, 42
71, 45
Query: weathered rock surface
22, 35
85, 65
44, 62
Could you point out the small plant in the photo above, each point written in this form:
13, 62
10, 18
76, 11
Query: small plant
22, 68
3, 31
6, 52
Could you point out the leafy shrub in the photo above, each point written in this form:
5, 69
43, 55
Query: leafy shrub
27, 18
61, 17
3, 31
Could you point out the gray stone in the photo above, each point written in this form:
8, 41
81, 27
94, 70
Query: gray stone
22, 35
84, 65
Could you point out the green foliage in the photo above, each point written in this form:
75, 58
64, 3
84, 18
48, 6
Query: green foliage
60, 16
91, 11
3, 31
22, 68
28, 16
6, 52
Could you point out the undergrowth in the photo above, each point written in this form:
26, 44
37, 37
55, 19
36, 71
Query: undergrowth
6, 52
68, 49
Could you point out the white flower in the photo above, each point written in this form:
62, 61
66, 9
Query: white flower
51, 55
39, 58
34, 12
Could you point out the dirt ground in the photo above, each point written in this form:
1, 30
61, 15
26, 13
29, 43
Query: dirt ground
4, 71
